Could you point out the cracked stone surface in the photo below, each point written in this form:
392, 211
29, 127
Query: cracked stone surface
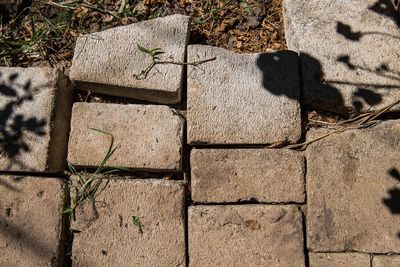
339, 259
107, 62
30, 220
245, 235
147, 137
230, 175
108, 236
243, 98
349, 52
352, 187
35, 110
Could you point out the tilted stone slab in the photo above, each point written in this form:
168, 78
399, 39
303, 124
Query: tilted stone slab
107, 62
386, 261
243, 98
352, 187
339, 259
229, 175
30, 221
109, 237
35, 110
349, 52
146, 137
245, 235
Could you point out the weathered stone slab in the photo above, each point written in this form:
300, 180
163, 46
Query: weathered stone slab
352, 186
243, 98
35, 109
147, 137
107, 62
30, 221
245, 235
265, 175
349, 52
339, 259
385, 261
110, 238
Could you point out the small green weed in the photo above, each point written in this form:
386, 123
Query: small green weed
155, 60
88, 185
136, 222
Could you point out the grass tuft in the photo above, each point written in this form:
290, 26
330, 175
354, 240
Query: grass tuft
89, 185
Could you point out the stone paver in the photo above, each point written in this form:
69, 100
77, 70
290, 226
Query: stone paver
343, 46
30, 221
339, 259
107, 62
245, 235
385, 261
147, 137
35, 109
352, 186
243, 98
230, 175
111, 238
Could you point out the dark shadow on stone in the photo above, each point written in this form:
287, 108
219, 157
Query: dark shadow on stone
347, 32
368, 96
387, 8
393, 201
280, 73
14, 126
324, 95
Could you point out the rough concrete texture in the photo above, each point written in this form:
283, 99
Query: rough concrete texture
245, 235
107, 62
108, 237
146, 137
352, 186
230, 175
243, 98
30, 221
35, 109
339, 259
386, 261
349, 52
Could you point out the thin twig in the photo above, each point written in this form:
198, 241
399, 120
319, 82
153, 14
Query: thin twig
361, 121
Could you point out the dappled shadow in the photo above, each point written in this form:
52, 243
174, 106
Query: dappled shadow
14, 125
346, 78
393, 201
388, 8
21, 239
280, 67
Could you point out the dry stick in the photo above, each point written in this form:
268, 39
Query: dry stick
361, 121
144, 73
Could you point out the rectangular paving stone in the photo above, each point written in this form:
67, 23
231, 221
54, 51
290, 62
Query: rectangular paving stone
35, 110
30, 221
243, 98
386, 261
107, 62
339, 259
349, 52
352, 187
108, 236
229, 175
245, 235
147, 137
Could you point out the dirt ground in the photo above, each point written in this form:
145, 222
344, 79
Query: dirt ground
35, 31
